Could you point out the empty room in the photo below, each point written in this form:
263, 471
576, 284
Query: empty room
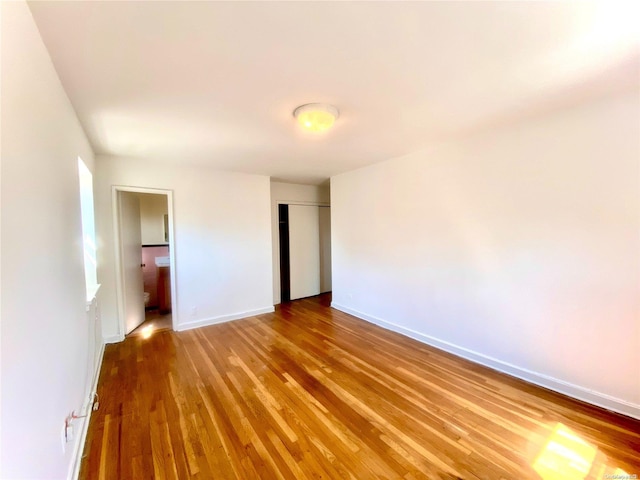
320, 240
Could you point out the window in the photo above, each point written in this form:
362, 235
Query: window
88, 229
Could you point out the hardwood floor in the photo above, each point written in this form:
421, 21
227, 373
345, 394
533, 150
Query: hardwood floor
311, 392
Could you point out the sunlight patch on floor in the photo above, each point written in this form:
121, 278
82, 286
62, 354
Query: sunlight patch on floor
567, 456
147, 331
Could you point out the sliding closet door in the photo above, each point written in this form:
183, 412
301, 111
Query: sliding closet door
304, 250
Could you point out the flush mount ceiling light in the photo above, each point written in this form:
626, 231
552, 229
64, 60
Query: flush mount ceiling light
316, 117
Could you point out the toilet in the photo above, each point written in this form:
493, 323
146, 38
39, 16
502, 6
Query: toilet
146, 298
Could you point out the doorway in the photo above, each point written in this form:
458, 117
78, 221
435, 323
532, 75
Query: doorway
145, 259
305, 250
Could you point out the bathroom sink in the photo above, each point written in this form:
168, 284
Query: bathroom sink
162, 261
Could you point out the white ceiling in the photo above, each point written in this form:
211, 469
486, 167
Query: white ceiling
216, 83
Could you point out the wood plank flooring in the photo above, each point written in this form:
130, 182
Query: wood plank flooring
309, 392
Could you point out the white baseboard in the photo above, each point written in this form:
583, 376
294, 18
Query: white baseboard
223, 318
113, 338
576, 391
76, 459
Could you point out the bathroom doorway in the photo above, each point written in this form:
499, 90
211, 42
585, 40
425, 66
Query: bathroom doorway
156, 268
146, 284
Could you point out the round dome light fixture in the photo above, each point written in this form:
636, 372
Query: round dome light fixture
316, 117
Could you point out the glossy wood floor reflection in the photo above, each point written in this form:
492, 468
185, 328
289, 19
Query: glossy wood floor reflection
309, 392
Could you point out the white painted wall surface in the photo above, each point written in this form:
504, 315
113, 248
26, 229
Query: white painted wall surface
222, 239
47, 350
518, 247
289, 192
153, 208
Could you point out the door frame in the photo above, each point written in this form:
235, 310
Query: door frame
115, 190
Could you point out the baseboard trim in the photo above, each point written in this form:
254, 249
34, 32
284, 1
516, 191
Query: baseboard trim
572, 390
223, 318
79, 447
114, 338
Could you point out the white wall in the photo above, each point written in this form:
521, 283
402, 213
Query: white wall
46, 334
153, 208
518, 248
222, 240
289, 192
